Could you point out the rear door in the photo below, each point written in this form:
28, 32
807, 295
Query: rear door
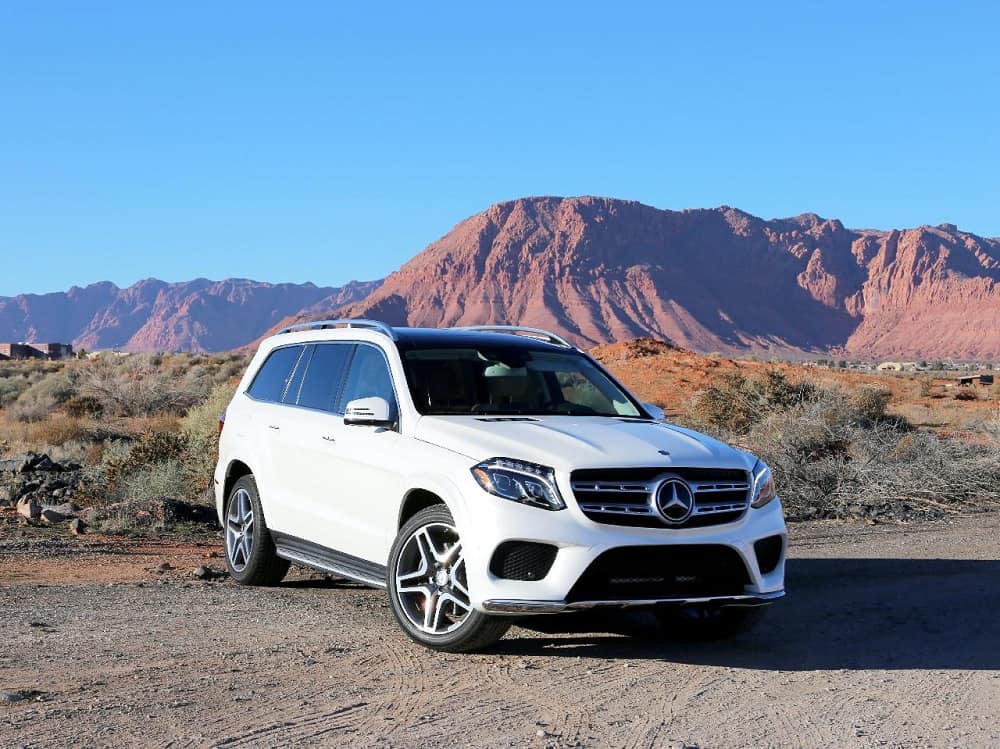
308, 448
267, 419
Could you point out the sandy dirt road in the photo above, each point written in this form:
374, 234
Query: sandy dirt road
889, 637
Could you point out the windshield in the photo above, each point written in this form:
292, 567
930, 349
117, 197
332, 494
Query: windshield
511, 380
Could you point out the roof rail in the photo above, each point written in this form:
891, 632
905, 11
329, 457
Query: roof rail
376, 325
521, 330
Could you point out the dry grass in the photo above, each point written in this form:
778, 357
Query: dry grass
842, 454
844, 444
144, 428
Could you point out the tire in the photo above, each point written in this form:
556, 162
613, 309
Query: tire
427, 587
709, 622
250, 556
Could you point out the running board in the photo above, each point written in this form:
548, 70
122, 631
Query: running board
300, 551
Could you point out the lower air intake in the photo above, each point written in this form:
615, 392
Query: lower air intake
522, 560
658, 572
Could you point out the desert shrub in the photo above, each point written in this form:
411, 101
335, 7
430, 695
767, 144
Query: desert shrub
33, 409
56, 385
56, 430
159, 480
965, 395
80, 406
134, 386
869, 403
926, 387
43, 396
200, 427
735, 403
11, 389
164, 462
840, 455
122, 460
230, 370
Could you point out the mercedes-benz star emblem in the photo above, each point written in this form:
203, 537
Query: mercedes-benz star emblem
674, 500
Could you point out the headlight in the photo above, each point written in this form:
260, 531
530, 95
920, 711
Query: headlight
516, 480
763, 485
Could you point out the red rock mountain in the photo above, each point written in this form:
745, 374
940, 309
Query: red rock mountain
153, 315
600, 270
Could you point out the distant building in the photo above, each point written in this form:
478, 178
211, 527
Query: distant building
897, 366
982, 379
35, 351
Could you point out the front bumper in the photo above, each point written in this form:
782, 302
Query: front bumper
556, 607
490, 521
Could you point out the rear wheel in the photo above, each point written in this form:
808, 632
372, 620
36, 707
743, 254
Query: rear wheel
428, 586
707, 622
250, 554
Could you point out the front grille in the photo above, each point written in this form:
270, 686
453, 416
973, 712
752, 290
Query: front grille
643, 573
522, 560
626, 496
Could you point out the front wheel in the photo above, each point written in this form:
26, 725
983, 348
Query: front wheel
428, 586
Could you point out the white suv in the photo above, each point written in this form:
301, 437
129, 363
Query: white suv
484, 473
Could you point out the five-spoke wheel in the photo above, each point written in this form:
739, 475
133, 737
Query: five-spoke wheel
430, 579
250, 553
429, 587
239, 530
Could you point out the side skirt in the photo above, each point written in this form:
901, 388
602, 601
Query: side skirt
300, 551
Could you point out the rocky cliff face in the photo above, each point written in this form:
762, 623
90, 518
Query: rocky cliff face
600, 270
153, 315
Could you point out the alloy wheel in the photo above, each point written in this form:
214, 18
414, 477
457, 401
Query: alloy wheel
431, 583
239, 530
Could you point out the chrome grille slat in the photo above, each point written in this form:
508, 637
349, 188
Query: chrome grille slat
709, 509
621, 509
587, 486
701, 487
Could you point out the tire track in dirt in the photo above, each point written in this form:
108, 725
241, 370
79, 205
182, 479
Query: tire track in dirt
885, 640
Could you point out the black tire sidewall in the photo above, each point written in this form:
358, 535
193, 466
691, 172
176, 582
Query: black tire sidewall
261, 567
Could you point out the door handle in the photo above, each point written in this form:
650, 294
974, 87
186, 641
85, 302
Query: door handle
328, 438
275, 427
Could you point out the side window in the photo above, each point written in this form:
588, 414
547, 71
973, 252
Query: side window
294, 385
369, 376
272, 379
324, 376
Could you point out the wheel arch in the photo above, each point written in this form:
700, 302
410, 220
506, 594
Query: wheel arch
236, 470
427, 492
417, 499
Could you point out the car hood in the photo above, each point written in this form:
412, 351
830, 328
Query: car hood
570, 442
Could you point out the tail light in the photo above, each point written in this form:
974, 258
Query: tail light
222, 421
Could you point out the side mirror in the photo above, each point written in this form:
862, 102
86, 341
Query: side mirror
655, 411
372, 411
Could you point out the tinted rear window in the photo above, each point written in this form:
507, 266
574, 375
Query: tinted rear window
272, 379
324, 376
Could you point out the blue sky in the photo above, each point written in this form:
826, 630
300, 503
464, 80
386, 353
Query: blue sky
319, 142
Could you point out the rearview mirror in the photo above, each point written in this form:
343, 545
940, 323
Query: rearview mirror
373, 411
655, 411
